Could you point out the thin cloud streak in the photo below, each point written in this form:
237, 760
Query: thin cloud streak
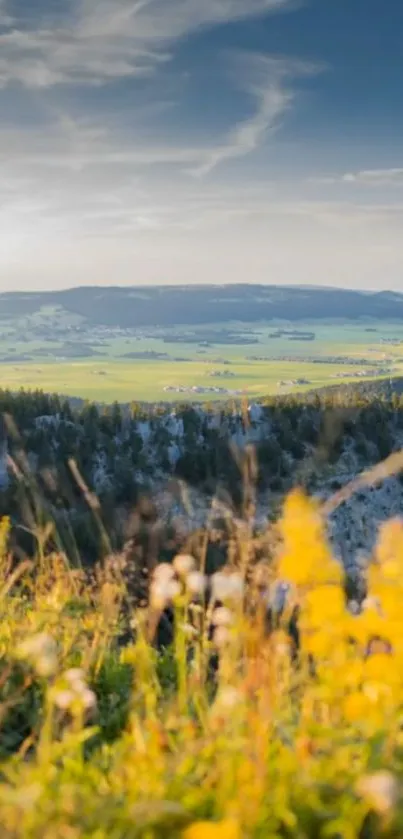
268, 80
392, 177
102, 40
375, 177
249, 134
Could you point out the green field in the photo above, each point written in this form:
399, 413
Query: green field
108, 376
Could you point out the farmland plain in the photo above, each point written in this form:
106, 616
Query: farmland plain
187, 363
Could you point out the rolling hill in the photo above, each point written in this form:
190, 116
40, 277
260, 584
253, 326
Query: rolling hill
161, 306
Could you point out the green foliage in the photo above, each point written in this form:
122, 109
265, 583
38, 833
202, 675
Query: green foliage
21, 702
113, 687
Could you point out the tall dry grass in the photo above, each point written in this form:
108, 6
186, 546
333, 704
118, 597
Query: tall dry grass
242, 727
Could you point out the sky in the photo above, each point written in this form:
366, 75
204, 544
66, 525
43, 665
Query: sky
201, 141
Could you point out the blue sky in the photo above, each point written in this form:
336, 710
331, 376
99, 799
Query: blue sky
172, 141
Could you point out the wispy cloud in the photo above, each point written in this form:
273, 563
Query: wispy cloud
375, 177
72, 143
102, 40
97, 41
268, 80
365, 177
104, 185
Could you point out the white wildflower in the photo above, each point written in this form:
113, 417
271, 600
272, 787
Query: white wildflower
63, 699
88, 699
222, 636
222, 617
184, 564
36, 645
162, 593
380, 790
159, 597
164, 572
75, 676
74, 692
46, 665
227, 586
41, 651
228, 698
196, 583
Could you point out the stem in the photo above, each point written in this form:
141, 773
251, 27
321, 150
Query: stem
181, 656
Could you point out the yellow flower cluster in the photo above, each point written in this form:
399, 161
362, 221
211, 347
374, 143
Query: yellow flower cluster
293, 733
227, 829
358, 658
306, 558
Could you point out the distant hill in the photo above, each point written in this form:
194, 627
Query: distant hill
165, 306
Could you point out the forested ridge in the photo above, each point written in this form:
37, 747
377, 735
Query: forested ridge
139, 306
129, 456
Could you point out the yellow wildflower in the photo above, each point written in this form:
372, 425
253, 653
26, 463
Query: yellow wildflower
325, 604
318, 644
351, 672
392, 569
356, 707
226, 829
382, 678
306, 557
368, 625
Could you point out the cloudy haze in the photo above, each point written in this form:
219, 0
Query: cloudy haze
189, 141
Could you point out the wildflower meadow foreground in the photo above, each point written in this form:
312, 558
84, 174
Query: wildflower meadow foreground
241, 727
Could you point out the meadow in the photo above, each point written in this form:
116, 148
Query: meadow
240, 728
255, 368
